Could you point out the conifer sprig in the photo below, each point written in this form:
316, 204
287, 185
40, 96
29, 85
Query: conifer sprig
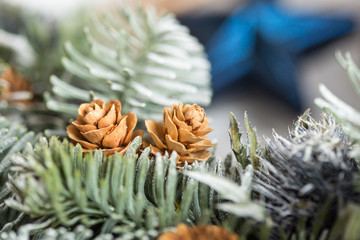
344, 113
13, 137
303, 172
130, 196
307, 184
144, 58
33, 44
79, 233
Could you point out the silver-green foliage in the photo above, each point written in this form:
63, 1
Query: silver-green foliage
247, 216
344, 113
34, 43
304, 172
142, 57
245, 152
131, 196
238, 189
13, 137
79, 233
307, 184
240, 203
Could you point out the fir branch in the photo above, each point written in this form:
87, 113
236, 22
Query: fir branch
235, 137
344, 113
244, 153
246, 217
307, 183
307, 177
145, 59
129, 195
13, 137
79, 233
24, 53
34, 43
241, 204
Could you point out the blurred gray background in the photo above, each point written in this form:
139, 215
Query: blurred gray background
267, 112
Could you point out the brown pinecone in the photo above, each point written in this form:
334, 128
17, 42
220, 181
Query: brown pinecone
201, 232
14, 87
101, 126
184, 129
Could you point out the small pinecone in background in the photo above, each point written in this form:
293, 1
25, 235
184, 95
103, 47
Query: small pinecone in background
297, 176
14, 87
201, 232
184, 129
101, 126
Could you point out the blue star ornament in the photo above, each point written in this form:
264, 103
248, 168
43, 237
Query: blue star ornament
263, 40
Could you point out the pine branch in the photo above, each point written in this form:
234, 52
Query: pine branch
301, 173
13, 137
141, 57
34, 44
307, 183
344, 113
245, 153
247, 217
24, 53
241, 204
130, 196
80, 233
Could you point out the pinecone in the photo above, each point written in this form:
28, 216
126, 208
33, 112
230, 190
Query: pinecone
101, 126
184, 129
201, 232
14, 87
